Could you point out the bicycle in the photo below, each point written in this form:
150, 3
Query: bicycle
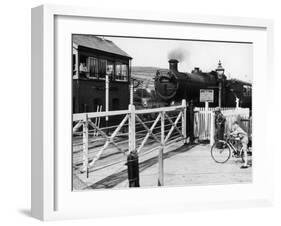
222, 150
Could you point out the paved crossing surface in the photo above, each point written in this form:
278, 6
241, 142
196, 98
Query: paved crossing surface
184, 165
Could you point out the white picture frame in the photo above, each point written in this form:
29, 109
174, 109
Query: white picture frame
52, 197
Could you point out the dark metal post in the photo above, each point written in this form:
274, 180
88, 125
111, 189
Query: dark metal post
133, 169
220, 93
191, 122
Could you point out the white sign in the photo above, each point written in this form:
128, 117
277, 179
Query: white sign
207, 95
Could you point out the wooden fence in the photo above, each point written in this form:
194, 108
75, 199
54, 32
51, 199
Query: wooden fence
135, 130
142, 131
204, 121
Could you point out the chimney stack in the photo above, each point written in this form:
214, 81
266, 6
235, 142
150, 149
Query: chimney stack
173, 64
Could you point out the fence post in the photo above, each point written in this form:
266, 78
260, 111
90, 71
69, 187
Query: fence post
212, 129
132, 160
132, 92
206, 119
183, 121
85, 144
191, 122
161, 150
132, 128
237, 102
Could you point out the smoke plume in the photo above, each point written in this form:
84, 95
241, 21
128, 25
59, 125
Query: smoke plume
177, 54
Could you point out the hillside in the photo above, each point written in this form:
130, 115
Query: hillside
145, 74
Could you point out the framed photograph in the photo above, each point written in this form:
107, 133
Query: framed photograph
137, 112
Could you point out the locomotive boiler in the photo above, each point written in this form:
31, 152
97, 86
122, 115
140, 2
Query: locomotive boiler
173, 86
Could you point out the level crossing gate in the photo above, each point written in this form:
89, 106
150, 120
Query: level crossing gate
138, 129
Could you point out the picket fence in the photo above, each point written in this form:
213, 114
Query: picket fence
204, 121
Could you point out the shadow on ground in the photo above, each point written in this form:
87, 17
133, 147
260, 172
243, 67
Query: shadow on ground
116, 178
25, 212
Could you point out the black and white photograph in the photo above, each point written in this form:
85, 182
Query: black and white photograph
139, 113
149, 112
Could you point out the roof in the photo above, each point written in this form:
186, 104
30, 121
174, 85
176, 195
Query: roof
98, 43
234, 80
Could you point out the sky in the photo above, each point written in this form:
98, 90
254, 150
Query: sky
236, 58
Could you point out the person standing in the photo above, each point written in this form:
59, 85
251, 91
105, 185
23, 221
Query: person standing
219, 124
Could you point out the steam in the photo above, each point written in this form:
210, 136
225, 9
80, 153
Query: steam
177, 54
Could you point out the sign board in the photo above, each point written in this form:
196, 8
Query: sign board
207, 95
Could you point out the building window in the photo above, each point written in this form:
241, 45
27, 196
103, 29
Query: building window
124, 72
118, 71
83, 66
102, 68
74, 64
247, 90
93, 67
121, 72
110, 69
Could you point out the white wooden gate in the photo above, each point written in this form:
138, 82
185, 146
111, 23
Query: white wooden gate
136, 128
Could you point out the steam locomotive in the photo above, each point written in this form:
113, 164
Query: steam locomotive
173, 86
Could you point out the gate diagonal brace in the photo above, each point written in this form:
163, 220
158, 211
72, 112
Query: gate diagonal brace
77, 126
174, 126
109, 140
103, 134
149, 133
147, 129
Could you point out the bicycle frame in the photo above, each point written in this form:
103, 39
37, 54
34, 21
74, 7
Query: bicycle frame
231, 145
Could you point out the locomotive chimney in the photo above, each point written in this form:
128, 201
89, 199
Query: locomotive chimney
173, 64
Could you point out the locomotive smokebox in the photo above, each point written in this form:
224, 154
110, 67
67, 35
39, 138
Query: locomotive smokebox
173, 64
172, 85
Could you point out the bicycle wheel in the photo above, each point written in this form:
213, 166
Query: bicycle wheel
220, 152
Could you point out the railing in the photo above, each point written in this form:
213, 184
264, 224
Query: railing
142, 131
213, 109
